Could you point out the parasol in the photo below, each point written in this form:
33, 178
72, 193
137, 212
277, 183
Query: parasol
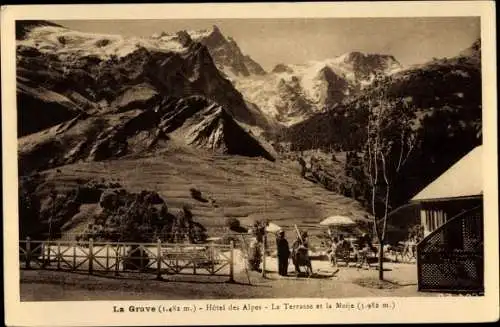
335, 221
272, 228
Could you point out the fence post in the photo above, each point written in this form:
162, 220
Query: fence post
158, 259
141, 258
264, 241
419, 271
28, 253
91, 255
42, 248
212, 259
178, 250
74, 244
48, 252
107, 257
195, 260
117, 259
231, 263
58, 255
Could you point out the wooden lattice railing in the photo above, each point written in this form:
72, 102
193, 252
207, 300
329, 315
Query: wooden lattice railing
451, 258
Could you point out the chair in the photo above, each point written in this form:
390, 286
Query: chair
406, 251
342, 253
363, 256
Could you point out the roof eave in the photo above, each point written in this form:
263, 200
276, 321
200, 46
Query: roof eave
456, 198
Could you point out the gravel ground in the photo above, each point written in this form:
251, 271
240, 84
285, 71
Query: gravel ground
327, 282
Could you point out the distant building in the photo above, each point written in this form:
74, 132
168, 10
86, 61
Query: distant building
450, 257
457, 190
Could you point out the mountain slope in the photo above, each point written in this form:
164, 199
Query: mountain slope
445, 95
92, 70
193, 121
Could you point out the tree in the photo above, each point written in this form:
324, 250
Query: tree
235, 225
29, 209
303, 166
259, 229
390, 142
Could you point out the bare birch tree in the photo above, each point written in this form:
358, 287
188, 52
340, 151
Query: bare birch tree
390, 142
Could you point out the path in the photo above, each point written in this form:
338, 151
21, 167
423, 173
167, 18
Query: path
37, 285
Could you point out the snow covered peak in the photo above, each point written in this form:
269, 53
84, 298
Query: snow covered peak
184, 38
293, 92
226, 53
209, 37
216, 31
67, 43
364, 66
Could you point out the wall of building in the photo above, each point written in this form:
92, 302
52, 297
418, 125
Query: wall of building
434, 214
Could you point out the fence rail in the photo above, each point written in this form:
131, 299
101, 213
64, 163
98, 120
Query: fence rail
115, 257
451, 258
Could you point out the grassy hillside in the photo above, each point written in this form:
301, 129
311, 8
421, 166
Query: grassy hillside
230, 186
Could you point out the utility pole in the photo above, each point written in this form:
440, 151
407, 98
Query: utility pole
264, 241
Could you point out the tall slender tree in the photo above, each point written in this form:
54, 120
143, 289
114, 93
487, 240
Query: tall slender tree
390, 142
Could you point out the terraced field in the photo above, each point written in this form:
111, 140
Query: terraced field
231, 186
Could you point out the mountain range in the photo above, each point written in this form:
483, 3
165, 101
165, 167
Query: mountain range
96, 92
293, 93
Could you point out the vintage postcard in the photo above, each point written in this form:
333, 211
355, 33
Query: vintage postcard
265, 163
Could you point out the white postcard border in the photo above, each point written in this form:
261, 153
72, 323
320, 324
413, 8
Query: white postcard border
421, 309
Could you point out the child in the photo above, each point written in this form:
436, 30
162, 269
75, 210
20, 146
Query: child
333, 251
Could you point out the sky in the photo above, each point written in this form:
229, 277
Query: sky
293, 41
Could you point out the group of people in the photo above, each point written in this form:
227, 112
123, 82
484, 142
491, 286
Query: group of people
341, 246
362, 247
301, 244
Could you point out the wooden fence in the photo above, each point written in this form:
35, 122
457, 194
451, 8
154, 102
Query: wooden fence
115, 257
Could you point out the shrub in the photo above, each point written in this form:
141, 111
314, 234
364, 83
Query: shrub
196, 194
259, 229
233, 223
62, 39
102, 43
255, 256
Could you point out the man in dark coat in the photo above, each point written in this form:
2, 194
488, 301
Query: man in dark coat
283, 253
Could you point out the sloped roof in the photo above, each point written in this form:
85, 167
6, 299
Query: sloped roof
463, 179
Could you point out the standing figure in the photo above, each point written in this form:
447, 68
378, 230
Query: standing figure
305, 240
333, 251
300, 254
283, 253
343, 250
255, 255
365, 246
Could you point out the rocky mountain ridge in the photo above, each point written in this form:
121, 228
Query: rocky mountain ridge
106, 96
227, 54
91, 70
